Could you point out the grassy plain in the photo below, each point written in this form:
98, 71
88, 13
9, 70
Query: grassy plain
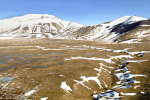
40, 64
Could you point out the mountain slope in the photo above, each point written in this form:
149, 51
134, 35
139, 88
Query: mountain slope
35, 25
43, 26
109, 31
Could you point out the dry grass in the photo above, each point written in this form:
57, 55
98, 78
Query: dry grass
36, 67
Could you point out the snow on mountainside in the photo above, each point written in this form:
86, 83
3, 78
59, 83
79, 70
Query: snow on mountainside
42, 26
109, 31
35, 25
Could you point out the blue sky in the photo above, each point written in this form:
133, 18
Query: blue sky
89, 12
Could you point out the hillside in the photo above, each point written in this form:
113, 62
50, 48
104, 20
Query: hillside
49, 26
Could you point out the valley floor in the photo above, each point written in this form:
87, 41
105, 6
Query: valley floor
55, 69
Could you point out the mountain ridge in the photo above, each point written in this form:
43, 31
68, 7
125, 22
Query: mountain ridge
49, 26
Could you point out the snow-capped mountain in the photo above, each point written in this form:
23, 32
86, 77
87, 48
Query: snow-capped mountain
109, 31
39, 26
35, 25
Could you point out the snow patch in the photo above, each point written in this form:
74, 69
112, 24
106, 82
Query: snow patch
136, 86
27, 94
65, 87
132, 94
45, 98
132, 41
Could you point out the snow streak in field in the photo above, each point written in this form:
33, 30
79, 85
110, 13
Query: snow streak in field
65, 87
103, 59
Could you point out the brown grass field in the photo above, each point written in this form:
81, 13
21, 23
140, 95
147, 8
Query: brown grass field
43, 64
